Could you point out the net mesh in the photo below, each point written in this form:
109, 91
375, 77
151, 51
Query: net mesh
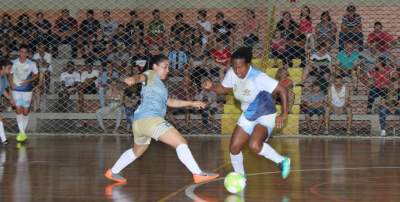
339, 61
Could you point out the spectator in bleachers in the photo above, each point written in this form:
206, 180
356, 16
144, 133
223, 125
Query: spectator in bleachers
4, 53
25, 29
121, 39
295, 40
198, 65
326, 30
380, 77
130, 102
313, 104
250, 28
295, 49
223, 29
369, 56
114, 105
282, 75
88, 27
351, 29
390, 105
88, 84
381, 40
106, 74
278, 47
43, 61
119, 55
338, 102
178, 58
319, 67
99, 46
220, 59
156, 29
6, 25
205, 27
135, 28
179, 28
347, 63
66, 28
44, 30
287, 26
139, 59
305, 27
108, 24
70, 79
208, 113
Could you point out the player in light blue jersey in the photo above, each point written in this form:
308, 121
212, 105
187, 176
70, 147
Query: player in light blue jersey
149, 123
254, 89
5, 66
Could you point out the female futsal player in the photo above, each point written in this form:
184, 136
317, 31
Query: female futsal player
149, 122
254, 89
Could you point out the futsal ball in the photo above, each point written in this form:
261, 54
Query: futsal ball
234, 182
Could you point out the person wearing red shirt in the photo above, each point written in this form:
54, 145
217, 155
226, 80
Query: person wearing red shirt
221, 54
380, 39
380, 77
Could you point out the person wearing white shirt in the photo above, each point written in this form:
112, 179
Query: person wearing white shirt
254, 89
88, 84
43, 61
70, 80
205, 25
23, 73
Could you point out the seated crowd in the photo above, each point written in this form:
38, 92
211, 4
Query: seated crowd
336, 60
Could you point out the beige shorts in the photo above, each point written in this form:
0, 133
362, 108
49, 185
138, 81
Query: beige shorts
147, 128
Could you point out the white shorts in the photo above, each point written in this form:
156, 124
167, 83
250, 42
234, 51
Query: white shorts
22, 99
267, 121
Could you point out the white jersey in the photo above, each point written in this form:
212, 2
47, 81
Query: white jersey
338, 98
254, 92
21, 72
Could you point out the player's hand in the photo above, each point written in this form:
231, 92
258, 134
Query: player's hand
129, 81
207, 84
280, 121
23, 82
198, 104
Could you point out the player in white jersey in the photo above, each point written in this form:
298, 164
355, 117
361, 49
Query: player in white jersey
254, 89
23, 73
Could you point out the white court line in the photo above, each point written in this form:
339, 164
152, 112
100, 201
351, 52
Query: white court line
189, 191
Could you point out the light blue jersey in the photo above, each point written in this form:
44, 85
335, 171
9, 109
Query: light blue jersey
154, 96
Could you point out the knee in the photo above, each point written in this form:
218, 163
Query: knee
235, 149
255, 146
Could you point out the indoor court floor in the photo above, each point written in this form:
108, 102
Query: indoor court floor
71, 168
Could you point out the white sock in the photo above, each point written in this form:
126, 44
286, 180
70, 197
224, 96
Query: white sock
124, 160
186, 157
268, 152
237, 163
2, 133
25, 121
20, 123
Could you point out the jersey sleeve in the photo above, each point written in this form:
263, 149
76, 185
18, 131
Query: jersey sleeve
229, 80
264, 82
150, 77
34, 68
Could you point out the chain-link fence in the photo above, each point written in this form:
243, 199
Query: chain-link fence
339, 61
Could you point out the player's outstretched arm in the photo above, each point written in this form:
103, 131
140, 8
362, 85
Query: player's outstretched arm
283, 94
216, 87
130, 81
174, 103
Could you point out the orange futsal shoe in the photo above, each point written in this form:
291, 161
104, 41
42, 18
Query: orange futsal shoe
114, 177
204, 177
